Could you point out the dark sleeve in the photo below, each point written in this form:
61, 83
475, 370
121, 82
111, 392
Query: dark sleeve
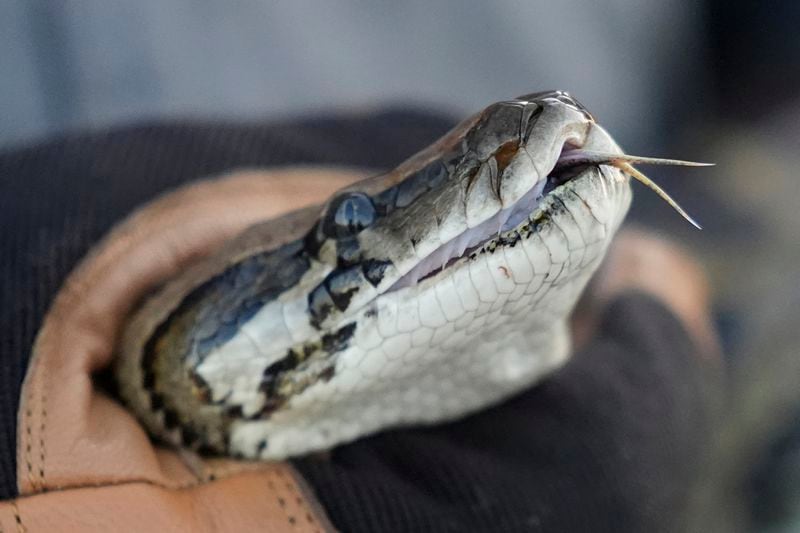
609, 443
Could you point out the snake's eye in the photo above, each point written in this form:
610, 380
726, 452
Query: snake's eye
348, 214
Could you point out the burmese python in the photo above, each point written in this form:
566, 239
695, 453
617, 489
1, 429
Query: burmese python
417, 296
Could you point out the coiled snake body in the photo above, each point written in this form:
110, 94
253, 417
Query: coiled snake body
418, 296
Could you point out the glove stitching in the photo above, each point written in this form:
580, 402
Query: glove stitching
18, 518
37, 394
281, 501
41, 439
28, 459
292, 488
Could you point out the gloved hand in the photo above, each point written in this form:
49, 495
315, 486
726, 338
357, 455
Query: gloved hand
609, 443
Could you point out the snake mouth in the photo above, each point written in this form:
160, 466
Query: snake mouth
573, 163
567, 168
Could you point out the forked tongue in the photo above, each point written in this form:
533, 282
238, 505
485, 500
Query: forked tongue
624, 162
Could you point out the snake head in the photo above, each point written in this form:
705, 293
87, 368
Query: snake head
416, 296
484, 178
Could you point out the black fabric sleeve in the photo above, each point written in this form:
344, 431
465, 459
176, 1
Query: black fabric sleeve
607, 444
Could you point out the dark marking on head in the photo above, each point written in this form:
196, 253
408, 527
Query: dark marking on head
270, 406
558, 207
471, 178
327, 374
320, 305
205, 449
338, 340
542, 220
509, 240
200, 387
261, 446
307, 351
313, 240
505, 154
149, 376
171, 419
300, 368
156, 401
271, 379
189, 435
342, 285
525, 230
374, 270
530, 118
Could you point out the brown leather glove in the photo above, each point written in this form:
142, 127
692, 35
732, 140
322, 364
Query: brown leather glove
84, 463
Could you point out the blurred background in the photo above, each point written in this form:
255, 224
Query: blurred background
709, 80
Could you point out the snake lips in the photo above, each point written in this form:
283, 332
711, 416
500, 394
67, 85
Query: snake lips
417, 296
